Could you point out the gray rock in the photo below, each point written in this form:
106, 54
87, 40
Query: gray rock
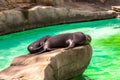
75, 15
116, 8
11, 21
40, 16
46, 15
14, 18
3, 25
59, 64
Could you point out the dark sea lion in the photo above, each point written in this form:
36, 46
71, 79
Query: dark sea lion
68, 40
37, 45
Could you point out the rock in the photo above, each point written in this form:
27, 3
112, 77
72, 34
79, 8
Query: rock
3, 3
11, 21
59, 64
75, 15
116, 8
46, 2
40, 16
45, 15
3, 26
21, 1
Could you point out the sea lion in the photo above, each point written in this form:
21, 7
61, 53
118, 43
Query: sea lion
68, 40
37, 45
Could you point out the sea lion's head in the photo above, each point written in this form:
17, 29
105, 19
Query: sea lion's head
88, 39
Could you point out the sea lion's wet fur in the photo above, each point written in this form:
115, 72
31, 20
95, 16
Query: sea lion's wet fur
68, 40
37, 46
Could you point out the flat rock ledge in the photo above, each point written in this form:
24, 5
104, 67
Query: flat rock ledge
117, 9
59, 64
41, 16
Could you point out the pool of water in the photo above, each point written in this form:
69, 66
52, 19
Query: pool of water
105, 63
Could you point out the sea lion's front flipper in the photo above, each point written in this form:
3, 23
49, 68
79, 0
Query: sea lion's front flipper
71, 44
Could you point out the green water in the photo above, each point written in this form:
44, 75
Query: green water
105, 63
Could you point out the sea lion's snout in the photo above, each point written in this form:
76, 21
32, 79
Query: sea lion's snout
30, 48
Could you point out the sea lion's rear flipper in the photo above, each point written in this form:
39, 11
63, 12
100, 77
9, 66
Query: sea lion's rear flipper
38, 48
40, 52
